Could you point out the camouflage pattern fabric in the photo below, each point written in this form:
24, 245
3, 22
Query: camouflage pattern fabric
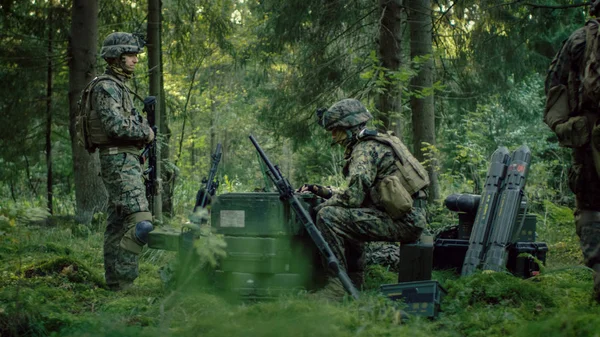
119, 43
589, 240
351, 217
340, 225
345, 114
368, 162
385, 254
583, 177
114, 106
122, 176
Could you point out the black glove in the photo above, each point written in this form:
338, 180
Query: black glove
318, 190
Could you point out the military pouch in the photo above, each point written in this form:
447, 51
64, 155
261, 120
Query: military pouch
393, 197
574, 132
557, 106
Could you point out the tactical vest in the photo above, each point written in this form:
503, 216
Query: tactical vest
411, 173
90, 130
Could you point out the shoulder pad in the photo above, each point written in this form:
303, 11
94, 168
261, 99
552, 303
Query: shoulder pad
111, 88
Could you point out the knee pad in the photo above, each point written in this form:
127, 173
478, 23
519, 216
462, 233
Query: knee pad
136, 237
142, 229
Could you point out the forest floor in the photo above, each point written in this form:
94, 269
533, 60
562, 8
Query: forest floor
51, 284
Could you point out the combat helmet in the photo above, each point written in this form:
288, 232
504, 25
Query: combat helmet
119, 43
345, 114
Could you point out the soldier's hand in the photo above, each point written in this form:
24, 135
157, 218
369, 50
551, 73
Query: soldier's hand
304, 188
317, 190
150, 136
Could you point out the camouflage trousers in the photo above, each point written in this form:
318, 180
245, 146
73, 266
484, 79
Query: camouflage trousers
122, 176
588, 230
347, 229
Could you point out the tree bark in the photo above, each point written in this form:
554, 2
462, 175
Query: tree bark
49, 111
155, 67
389, 102
423, 114
90, 195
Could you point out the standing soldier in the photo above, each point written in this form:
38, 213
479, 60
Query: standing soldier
385, 198
119, 132
572, 100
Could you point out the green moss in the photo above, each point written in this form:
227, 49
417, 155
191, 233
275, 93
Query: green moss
377, 275
67, 267
582, 322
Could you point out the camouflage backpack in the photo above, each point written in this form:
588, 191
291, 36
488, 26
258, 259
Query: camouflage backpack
394, 192
573, 81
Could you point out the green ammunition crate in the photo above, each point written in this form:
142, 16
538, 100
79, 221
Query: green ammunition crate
164, 238
422, 298
527, 231
261, 286
266, 255
254, 214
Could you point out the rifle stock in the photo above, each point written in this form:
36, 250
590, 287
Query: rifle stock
286, 193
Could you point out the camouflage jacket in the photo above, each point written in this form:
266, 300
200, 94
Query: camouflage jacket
367, 162
566, 66
114, 106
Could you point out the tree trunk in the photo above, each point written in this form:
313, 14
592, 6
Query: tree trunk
389, 102
49, 112
90, 195
156, 90
423, 115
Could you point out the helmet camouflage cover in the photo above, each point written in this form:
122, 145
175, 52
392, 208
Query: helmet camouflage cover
345, 114
119, 43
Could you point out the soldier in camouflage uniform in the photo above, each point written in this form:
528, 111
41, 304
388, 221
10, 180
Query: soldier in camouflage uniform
572, 112
355, 215
119, 132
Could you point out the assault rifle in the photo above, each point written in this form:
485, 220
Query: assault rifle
149, 153
286, 193
211, 183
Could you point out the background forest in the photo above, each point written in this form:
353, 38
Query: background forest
454, 79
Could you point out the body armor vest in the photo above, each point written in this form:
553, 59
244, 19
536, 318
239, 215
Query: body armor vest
93, 131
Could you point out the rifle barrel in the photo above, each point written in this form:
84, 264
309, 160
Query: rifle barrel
286, 193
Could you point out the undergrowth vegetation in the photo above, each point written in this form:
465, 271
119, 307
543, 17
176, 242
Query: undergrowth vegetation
51, 284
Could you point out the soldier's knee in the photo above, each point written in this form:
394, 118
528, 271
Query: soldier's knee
136, 237
138, 228
326, 212
142, 229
